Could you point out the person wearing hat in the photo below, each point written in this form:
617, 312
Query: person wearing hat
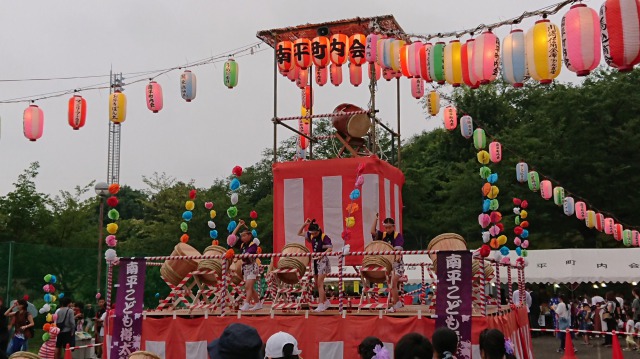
238, 341
396, 240
282, 345
250, 269
320, 243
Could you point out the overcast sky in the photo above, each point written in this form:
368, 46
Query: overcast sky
204, 139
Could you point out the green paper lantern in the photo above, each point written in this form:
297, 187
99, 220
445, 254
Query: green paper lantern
231, 73
626, 237
534, 181
479, 139
436, 62
558, 196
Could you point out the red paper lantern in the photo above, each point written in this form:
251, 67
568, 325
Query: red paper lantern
620, 23
77, 112
320, 51
417, 87
307, 97
423, 54
321, 75
355, 74
284, 56
335, 74
339, 49
303, 78
302, 53
357, 50
292, 74
377, 70
617, 232
154, 97
466, 55
450, 118
33, 122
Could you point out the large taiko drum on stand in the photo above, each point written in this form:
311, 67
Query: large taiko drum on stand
22, 355
175, 270
211, 264
143, 355
235, 271
299, 263
455, 242
354, 126
385, 261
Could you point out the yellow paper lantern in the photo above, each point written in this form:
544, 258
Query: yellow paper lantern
433, 103
112, 228
453, 63
544, 51
117, 107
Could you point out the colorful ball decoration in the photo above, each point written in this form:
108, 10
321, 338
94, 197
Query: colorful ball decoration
450, 118
423, 53
453, 63
521, 241
544, 51
417, 87
284, 56
154, 97
619, 21
580, 30
33, 122
302, 53
514, 65
117, 107
77, 112
486, 57
466, 58
230, 72
188, 85
338, 49
357, 49
433, 103
466, 126
436, 63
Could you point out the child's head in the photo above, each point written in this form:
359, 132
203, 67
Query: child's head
246, 236
389, 225
445, 342
413, 346
367, 346
492, 344
314, 228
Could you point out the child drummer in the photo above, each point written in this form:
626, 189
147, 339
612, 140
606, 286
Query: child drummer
396, 240
320, 243
250, 268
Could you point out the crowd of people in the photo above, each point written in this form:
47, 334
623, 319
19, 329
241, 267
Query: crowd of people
240, 341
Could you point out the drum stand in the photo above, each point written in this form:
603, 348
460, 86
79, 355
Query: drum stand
372, 294
183, 292
285, 298
358, 151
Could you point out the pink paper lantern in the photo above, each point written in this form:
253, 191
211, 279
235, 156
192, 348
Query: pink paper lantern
617, 232
321, 75
546, 189
33, 122
303, 78
417, 87
355, 74
450, 118
335, 74
371, 47
292, 74
635, 238
154, 97
388, 74
466, 55
413, 54
495, 151
580, 31
609, 225
377, 69
620, 23
486, 57
581, 210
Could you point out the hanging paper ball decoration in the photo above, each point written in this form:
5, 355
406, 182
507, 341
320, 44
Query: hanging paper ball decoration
112, 228
495, 150
254, 233
253, 214
436, 63
188, 85
284, 56
54, 279
184, 226
568, 206
514, 65
453, 63
350, 222
192, 194
581, 210
234, 198
154, 97
114, 188
620, 42
189, 205
357, 49
208, 205
466, 56
522, 172
117, 107
534, 181
580, 30
47, 278
33, 122
493, 178
355, 194
253, 224
213, 233
417, 87
112, 201
77, 112
187, 215
234, 184
479, 139
211, 224
231, 72
212, 213
485, 172
302, 53
232, 212
321, 75
486, 205
335, 74
504, 251
484, 220
231, 240
517, 241
111, 241
485, 250
546, 189
486, 237
558, 196
543, 51
355, 74
493, 193
113, 214
483, 157
184, 238
609, 225
466, 126
486, 57
433, 103
110, 255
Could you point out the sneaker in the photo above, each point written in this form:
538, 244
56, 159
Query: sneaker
258, 306
320, 308
560, 350
391, 310
327, 304
245, 307
398, 305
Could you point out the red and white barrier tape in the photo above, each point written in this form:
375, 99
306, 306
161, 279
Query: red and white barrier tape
335, 114
544, 330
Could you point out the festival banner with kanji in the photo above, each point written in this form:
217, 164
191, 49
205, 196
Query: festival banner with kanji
453, 300
127, 324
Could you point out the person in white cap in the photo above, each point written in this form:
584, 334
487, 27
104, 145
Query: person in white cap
282, 345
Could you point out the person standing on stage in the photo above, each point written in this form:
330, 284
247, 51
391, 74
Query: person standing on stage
250, 268
320, 242
397, 242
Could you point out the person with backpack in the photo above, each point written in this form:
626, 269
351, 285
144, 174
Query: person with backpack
320, 243
609, 316
66, 322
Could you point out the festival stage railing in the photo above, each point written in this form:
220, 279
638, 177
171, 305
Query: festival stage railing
193, 294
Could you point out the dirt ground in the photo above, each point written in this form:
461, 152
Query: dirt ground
545, 347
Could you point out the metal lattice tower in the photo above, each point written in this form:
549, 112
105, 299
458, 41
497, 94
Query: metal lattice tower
113, 160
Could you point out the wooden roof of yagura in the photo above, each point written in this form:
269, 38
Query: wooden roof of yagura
361, 25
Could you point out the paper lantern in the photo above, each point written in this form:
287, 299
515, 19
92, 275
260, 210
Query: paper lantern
77, 112
404, 60
188, 85
33, 122
450, 118
626, 237
522, 172
495, 150
609, 225
600, 222
580, 31
231, 73
543, 50
338, 49
303, 78
335, 74
371, 47
382, 52
413, 55
486, 57
546, 189
304, 127
320, 51
436, 63
581, 210
617, 232
307, 97
321, 75
394, 54
423, 54
154, 97
302, 53
355, 74
635, 238
558, 196
590, 219
466, 126
284, 56
453, 63
377, 70
117, 107
417, 87
619, 21
433, 103
479, 139
388, 74
533, 180
357, 49
466, 55
514, 63
568, 206
292, 74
